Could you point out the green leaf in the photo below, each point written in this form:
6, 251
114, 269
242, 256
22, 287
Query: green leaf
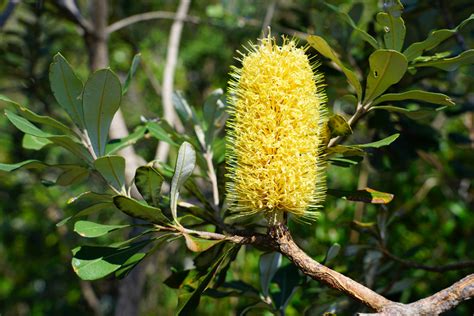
95, 262
24, 125
287, 278
419, 95
184, 168
415, 114
450, 64
112, 168
101, 99
339, 126
160, 133
67, 88
197, 244
131, 72
346, 18
346, 161
92, 230
148, 181
434, 39
33, 142
213, 111
387, 67
72, 174
332, 253
41, 119
268, 266
345, 150
136, 209
394, 30
366, 195
29, 164
88, 203
380, 143
115, 145
324, 49
70, 144
131, 263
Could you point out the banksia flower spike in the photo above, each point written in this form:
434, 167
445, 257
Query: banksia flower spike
277, 110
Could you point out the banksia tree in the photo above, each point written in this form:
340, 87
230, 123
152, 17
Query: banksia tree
276, 131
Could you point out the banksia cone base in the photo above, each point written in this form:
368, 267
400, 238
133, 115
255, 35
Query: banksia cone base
276, 127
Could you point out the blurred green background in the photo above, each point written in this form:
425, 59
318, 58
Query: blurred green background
429, 169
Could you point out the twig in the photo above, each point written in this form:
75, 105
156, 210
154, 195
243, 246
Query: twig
90, 297
153, 15
212, 176
168, 77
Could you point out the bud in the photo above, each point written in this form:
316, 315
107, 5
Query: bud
276, 131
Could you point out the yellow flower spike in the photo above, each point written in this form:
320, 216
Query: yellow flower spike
276, 131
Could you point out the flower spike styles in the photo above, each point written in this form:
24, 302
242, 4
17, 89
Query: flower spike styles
276, 133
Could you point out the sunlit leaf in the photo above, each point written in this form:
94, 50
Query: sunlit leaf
338, 126
324, 49
197, 244
92, 230
33, 142
387, 67
380, 143
366, 195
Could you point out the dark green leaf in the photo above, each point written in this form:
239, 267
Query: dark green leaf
434, 39
366, 195
148, 181
332, 253
419, 95
363, 34
339, 126
136, 209
101, 99
92, 230
184, 168
345, 150
394, 30
450, 64
213, 110
72, 174
112, 168
73, 146
94, 262
288, 279
346, 161
88, 203
67, 88
380, 143
268, 266
115, 145
387, 67
131, 72
131, 263
324, 49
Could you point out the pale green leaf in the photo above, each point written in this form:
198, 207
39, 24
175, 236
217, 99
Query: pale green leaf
197, 244
380, 143
324, 49
91, 230
184, 168
366, 195
29, 164
450, 64
387, 67
33, 142
338, 126
394, 30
